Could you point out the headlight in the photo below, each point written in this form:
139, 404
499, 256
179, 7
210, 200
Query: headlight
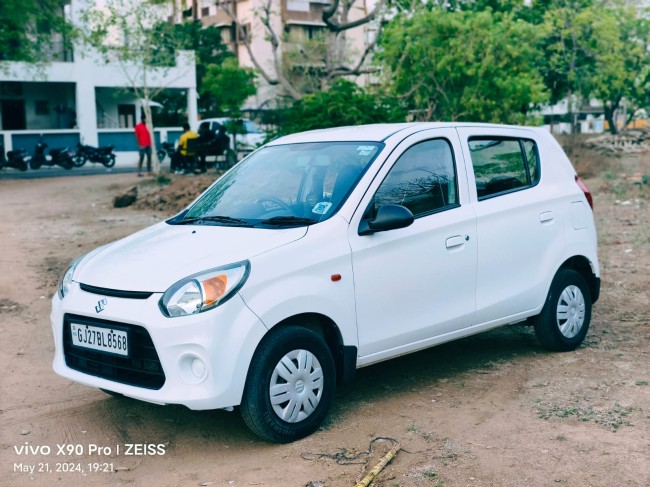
205, 290
66, 279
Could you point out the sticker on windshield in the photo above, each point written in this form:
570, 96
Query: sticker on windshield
321, 208
365, 150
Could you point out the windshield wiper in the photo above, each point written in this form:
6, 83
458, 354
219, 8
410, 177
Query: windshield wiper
228, 220
288, 221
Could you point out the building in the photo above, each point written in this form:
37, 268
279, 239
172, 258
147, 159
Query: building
81, 96
298, 26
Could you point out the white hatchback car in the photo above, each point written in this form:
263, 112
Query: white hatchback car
327, 251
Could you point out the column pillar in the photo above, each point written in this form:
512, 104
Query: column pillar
192, 110
85, 102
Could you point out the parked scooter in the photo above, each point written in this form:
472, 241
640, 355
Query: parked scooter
14, 158
102, 155
58, 157
166, 149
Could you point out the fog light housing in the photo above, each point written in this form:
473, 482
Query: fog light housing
198, 368
192, 369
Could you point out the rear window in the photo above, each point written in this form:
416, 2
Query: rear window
503, 165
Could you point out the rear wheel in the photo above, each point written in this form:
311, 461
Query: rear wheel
34, 163
78, 160
563, 323
290, 385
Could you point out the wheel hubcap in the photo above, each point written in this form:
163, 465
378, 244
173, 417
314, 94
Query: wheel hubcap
296, 386
570, 311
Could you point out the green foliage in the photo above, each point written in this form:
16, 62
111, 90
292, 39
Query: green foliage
596, 52
229, 84
30, 27
463, 65
208, 50
345, 103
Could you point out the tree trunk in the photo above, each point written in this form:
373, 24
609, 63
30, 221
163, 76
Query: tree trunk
609, 116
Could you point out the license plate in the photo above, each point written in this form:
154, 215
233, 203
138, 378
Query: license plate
108, 340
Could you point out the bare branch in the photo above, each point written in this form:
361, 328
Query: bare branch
357, 70
279, 79
334, 26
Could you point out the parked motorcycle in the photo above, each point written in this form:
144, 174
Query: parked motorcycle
166, 150
102, 155
14, 158
58, 157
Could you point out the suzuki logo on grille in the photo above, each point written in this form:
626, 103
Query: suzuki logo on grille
101, 305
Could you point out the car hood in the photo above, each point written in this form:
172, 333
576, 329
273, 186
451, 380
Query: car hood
155, 258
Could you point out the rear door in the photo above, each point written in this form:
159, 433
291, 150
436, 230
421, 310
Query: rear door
418, 282
520, 219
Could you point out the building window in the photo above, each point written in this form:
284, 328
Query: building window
243, 33
42, 107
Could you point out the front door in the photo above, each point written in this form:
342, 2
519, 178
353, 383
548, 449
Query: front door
416, 283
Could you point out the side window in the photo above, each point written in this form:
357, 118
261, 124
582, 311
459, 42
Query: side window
502, 165
533, 163
423, 179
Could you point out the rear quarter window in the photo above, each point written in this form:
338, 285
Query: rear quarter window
503, 165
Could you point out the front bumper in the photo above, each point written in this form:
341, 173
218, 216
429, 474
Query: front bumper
223, 339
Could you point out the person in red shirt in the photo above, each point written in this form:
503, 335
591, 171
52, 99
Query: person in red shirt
143, 138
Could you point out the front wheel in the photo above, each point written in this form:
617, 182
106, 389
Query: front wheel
109, 160
290, 385
563, 323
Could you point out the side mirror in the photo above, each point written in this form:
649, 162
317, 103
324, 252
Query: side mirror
389, 217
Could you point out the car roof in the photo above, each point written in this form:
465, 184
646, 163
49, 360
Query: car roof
377, 132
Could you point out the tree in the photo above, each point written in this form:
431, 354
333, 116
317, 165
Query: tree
30, 28
345, 103
619, 43
229, 85
208, 50
596, 52
316, 65
463, 65
125, 32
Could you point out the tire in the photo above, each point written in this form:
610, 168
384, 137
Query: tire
67, 163
22, 166
307, 355
161, 155
78, 160
563, 323
109, 161
34, 164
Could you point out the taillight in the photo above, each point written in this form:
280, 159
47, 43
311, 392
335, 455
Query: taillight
585, 190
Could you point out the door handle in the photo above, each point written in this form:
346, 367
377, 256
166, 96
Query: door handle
547, 216
455, 241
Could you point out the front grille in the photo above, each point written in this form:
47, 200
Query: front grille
115, 292
141, 368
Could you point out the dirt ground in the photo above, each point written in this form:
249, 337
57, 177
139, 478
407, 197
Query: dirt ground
491, 410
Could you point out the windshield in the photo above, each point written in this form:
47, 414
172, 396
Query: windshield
284, 185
